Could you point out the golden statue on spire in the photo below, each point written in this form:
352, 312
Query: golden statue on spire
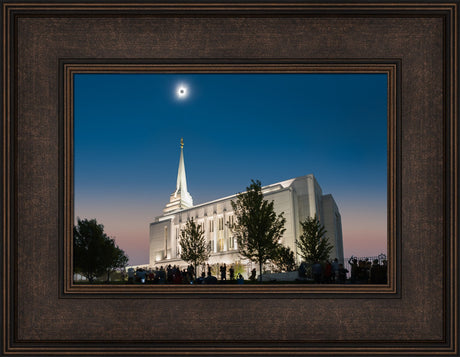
181, 143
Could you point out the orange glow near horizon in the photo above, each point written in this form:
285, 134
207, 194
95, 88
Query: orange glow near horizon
364, 229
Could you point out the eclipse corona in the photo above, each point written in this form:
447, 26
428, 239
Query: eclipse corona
181, 92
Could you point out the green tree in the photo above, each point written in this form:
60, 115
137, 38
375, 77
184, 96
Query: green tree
94, 252
313, 244
194, 248
257, 228
114, 257
284, 258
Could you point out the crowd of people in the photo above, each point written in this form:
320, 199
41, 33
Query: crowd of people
362, 272
325, 273
365, 271
176, 275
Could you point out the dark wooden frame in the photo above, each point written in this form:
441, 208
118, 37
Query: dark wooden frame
44, 43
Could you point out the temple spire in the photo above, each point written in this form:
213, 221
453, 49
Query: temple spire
180, 199
181, 185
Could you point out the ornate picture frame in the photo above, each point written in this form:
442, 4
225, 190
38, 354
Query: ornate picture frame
44, 44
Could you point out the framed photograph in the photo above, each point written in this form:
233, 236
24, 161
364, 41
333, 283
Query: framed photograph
84, 120
262, 97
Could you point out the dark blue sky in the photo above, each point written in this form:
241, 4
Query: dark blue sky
236, 127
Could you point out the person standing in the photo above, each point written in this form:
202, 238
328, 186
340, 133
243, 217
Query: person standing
232, 273
342, 274
130, 275
317, 271
335, 270
354, 269
223, 272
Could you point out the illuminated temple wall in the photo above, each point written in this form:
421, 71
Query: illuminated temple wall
298, 198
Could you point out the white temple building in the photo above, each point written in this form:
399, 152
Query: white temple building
298, 198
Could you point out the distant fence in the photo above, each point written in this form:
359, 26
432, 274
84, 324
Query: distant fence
380, 258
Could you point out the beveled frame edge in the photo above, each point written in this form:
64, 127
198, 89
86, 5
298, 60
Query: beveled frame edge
452, 118
390, 68
450, 347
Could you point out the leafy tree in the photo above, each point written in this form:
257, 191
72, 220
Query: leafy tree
238, 268
94, 252
258, 228
313, 244
114, 257
194, 248
284, 258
